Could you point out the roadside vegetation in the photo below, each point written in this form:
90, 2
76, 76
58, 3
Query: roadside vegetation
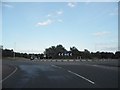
59, 52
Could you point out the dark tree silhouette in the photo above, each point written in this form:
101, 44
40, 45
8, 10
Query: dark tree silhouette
7, 53
75, 52
117, 55
59, 52
55, 52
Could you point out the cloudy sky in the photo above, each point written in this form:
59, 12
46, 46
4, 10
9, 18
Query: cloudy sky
34, 26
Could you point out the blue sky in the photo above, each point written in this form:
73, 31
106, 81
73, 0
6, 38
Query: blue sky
32, 27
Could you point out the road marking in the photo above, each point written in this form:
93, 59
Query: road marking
9, 75
56, 66
81, 77
76, 74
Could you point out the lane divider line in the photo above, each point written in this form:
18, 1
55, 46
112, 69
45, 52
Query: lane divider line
56, 66
9, 75
76, 74
81, 77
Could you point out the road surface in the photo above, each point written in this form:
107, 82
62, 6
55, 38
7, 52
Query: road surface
38, 74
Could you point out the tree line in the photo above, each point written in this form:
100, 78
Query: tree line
59, 52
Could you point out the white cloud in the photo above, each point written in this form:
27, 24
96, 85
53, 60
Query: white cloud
7, 5
59, 12
60, 20
72, 4
88, 2
52, 17
102, 33
44, 23
55, 14
49, 15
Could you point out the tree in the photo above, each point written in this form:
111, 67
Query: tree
117, 54
7, 53
53, 52
50, 52
96, 55
75, 52
60, 51
87, 54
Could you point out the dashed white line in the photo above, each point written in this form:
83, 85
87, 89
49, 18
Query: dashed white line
81, 77
56, 66
9, 75
90, 81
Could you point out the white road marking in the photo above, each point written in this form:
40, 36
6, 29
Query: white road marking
56, 66
81, 77
76, 74
9, 75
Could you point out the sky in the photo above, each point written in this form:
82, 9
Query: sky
33, 26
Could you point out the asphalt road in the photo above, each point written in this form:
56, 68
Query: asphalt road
37, 74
